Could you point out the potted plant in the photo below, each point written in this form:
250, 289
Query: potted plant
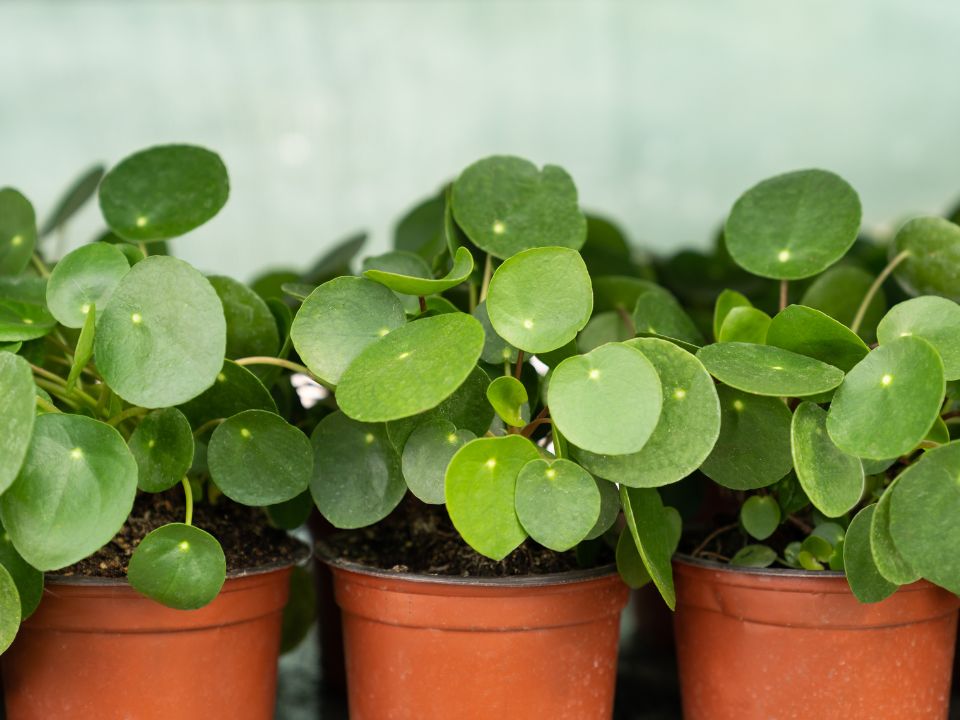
138, 437
823, 582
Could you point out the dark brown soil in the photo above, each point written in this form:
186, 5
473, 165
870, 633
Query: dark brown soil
420, 538
247, 540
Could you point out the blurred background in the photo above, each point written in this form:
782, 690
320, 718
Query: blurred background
337, 116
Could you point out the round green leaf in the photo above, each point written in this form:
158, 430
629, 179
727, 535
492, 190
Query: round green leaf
9, 610
688, 427
753, 449
653, 531
179, 566
744, 324
163, 192
933, 264
401, 264
756, 556
657, 312
481, 489
162, 337
935, 319
794, 225
28, 579
84, 279
607, 401
557, 502
357, 479
163, 447
609, 508
727, 300
540, 299
341, 318
236, 389
258, 458
73, 494
815, 334
832, 479
760, 516
76, 196
838, 293
426, 454
427, 359
16, 420
506, 205
888, 402
413, 285
865, 579
768, 370
924, 508
496, 350
24, 321
18, 232
507, 395
251, 329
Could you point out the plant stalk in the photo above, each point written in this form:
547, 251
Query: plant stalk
487, 274
188, 496
881, 278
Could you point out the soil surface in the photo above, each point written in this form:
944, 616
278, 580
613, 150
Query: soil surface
247, 540
420, 538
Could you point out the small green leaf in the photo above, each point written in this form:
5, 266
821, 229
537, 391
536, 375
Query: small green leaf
753, 449
28, 579
865, 579
357, 478
258, 458
609, 508
163, 192
506, 205
73, 494
481, 492
400, 264
651, 526
618, 293
420, 230
496, 350
236, 389
603, 328
251, 329
18, 231
808, 561
84, 350
83, 188
760, 516
507, 395
426, 455
657, 312
794, 225
767, 370
429, 358
819, 548
935, 319
756, 556
933, 264
84, 279
557, 502
9, 610
607, 401
540, 299
815, 334
832, 479
414, 285
746, 325
888, 402
291, 514
156, 352
163, 447
727, 300
838, 293
179, 566
17, 418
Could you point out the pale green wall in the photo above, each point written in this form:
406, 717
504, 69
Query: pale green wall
334, 116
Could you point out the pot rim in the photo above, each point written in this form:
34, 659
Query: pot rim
684, 559
301, 557
326, 554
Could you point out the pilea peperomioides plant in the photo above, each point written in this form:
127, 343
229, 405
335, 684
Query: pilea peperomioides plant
123, 371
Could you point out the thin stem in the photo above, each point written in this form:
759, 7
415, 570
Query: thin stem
40, 265
800, 524
423, 303
487, 274
519, 368
47, 405
52, 377
473, 296
48, 378
130, 412
718, 556
784, 293
627, 320
146, 253
541, 417
188, 496
281, 362
713, 536
57, 391
207, 425
868, 298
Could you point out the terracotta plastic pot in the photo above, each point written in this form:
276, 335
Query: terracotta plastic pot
769, 644
97, 650
430, 648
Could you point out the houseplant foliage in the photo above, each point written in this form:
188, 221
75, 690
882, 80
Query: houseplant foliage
124, 371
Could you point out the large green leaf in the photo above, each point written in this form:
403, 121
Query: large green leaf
28, 579
9, 609
412, 369
73, 494
933, 264
80, 191
179, 566
935, 319
832, 479
84, 279
414, 285
557, 502
768, 370
357, 479
341, 318
258, 458
481, 485
888, 559
607, 401
236, 389
163, 447
753, 449
889, 401
540, 299
815, 334
865, 579
18, 231
651, 527
839, 292
162, 337
426, 454
688, 427
506, 205
251, 329
794, 225
163, 192
17, 416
